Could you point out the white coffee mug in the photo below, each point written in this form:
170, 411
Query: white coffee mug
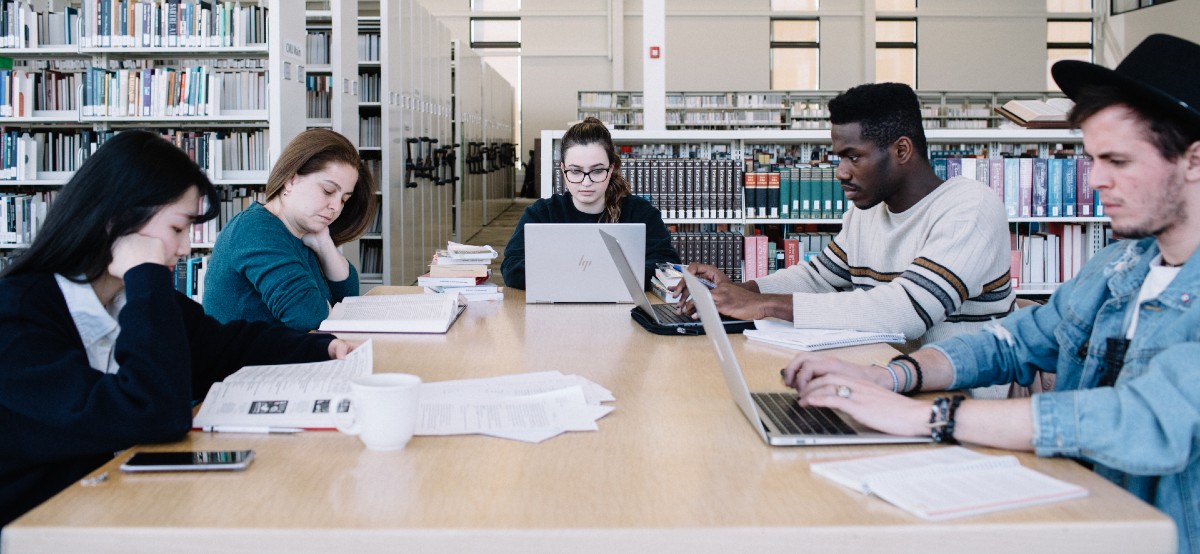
383, 409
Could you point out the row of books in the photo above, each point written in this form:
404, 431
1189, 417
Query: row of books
368, 87
723, 249
48, 155
796, 192
318, 102
368, 47
234, 200
319, 45
189, 277
25, 93
728, 100
169, 92
1032, 187
370, 131
371, 257
725, 118
21, 26
171, 23
21, 215
1046, 256
688, 188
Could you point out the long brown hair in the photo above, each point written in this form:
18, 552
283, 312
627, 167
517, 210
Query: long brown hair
312, 151
593, 131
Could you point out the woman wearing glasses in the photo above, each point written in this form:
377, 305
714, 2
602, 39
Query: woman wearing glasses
596, 193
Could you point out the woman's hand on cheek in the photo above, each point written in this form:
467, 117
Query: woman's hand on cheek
134, 249
318, 241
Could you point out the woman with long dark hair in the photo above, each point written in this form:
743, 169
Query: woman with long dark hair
597, 192
100, 351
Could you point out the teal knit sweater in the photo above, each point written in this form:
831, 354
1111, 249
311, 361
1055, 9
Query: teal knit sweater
259, 271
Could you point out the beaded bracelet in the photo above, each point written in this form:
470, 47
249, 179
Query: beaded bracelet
941, 419
916, 368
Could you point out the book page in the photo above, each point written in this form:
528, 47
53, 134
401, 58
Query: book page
400, 313
944, 495
287, 395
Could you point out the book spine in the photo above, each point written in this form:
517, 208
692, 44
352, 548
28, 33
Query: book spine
1040, 187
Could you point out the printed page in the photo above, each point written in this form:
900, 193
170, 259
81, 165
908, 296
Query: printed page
288, 395
856, 473
560, 410
945, 495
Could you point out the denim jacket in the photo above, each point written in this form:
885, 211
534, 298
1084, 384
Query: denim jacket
1143, 433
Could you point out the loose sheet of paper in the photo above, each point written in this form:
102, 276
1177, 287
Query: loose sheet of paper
529, 407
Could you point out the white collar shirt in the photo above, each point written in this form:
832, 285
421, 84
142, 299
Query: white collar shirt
97, 324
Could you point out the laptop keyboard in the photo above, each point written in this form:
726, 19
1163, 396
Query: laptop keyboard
666, 314
782, 409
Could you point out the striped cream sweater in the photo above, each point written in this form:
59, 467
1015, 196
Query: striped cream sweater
940, 268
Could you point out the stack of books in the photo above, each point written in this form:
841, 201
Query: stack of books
462, 269
665, 277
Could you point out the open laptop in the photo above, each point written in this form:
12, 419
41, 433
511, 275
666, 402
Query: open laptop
779, 420
567, 262
659, 318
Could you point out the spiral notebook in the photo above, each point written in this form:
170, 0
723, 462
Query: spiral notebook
781, 333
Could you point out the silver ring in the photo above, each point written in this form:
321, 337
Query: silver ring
843, 391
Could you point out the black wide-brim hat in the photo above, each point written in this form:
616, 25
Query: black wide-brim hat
1163, 70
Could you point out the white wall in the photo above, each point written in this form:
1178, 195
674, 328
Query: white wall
568, 46
1123, 32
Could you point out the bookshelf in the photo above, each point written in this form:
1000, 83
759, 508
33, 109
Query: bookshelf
332, 84
664, 166
485, 156
83, 85
794, 110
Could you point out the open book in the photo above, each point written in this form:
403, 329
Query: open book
781, 333
944, 483
1038, 114
287, 395
396, 313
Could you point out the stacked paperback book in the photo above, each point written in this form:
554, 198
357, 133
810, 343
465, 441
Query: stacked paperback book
462, 269
665, 277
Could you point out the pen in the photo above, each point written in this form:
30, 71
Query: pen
251, 429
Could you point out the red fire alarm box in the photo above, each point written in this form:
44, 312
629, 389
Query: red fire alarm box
654, 51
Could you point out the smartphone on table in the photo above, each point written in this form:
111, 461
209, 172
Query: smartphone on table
210, 460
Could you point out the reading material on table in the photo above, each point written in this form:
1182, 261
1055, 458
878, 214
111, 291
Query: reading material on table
944, 483
395, 313
781, 333
287, 395
530, 407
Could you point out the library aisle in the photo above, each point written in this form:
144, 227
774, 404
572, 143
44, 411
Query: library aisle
498, 232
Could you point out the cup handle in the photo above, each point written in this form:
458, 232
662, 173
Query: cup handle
338, 419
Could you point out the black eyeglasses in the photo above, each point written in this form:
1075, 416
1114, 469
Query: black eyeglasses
596, 175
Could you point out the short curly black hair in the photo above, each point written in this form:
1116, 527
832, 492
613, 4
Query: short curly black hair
886, 112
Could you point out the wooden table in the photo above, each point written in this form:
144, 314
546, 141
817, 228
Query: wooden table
675, 468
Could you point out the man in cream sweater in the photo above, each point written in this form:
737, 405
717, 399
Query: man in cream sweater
915, 255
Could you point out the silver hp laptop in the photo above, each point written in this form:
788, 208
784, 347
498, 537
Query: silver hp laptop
661, 319
779, 420
568, 262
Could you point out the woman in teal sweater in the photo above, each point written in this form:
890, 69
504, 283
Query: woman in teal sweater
279, 261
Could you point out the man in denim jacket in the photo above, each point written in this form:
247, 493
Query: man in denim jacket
1122, 337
